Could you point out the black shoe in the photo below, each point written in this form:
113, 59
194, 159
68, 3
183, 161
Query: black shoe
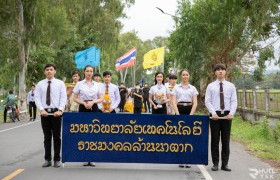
91, 164
86, 164
225, 168
56, 164
30, 119
34, 119
47, 164
214, 168
181, 165
187, 166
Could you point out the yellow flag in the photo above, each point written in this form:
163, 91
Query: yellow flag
153, 58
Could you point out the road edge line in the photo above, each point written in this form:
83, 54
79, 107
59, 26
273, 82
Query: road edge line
204, 172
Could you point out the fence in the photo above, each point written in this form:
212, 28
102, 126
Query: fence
259, 101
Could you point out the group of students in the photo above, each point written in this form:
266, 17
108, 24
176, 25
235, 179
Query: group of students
93, 96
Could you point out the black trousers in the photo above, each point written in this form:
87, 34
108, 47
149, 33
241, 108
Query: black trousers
162, 110
32, 106
146, 104
220, 128
5, 114
184, 109
122, 103
52, 129
137, 110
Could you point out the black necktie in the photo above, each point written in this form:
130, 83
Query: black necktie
222, 103
48, 99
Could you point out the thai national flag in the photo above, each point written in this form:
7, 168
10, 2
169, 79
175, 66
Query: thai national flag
126, 60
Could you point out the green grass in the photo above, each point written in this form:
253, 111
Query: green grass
262, 140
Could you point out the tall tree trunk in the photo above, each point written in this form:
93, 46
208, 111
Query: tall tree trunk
22, 60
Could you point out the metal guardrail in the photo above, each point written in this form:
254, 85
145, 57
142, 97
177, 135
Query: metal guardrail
264, 101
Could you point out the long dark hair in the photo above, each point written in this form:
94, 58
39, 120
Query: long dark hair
156, 77
86, 68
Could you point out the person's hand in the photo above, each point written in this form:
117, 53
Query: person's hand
87, 106
155, 107
215, 117
43, 113
111, 110
90, 104
57, 113
102, 109
230, 117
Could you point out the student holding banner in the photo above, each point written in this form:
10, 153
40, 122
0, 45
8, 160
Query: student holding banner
159, 95
87, 93
221, 102
184, 98
111, 94
50, 98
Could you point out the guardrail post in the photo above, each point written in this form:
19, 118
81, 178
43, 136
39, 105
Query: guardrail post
266, 100
254, 104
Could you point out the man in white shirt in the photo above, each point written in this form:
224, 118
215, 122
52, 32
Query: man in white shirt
221, 101
31, 103
113, 94
50, 98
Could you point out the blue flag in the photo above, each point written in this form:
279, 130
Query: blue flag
89, 56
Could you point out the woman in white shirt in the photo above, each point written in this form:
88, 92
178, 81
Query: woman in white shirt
159, 95
184, 98
88, 91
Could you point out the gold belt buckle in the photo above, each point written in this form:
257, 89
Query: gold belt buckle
185, 104
49, 110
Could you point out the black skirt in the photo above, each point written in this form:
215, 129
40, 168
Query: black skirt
94, 108
162, 110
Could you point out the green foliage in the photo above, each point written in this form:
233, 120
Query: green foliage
258, 138
211, 31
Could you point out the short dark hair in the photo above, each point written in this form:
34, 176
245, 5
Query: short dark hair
49, 65
33, 85
172, 76
76, 72
10, 91
97, 74
107, 73
220, 66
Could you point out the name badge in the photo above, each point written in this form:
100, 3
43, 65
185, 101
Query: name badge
159, 106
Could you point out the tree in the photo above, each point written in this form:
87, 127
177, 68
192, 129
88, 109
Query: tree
213, 31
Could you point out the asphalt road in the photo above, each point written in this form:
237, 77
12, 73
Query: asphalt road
22, 154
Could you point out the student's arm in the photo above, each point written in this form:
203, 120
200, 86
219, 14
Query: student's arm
194, 105
174, 104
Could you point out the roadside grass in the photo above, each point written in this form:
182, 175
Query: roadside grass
262, 140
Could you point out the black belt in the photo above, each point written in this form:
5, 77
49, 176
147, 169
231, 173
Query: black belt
87, 100
51, 110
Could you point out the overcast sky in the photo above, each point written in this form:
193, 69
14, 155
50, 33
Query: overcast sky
147, 20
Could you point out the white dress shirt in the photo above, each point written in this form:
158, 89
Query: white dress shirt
184, 94
158, 90
58, 94
31, 98
87, 91
114, 94
212, 98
